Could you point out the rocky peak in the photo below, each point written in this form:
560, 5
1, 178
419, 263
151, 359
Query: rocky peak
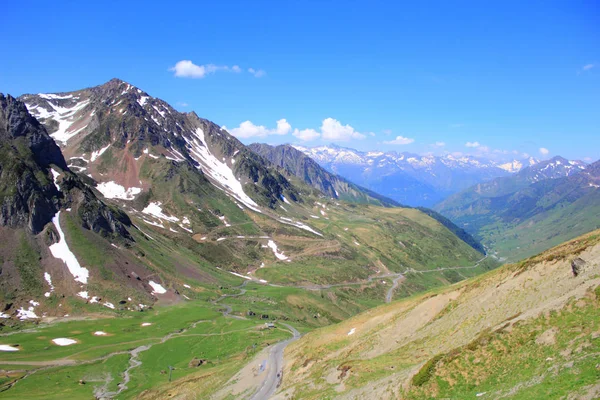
16, 122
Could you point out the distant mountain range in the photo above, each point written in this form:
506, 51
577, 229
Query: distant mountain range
413, 179
532, 210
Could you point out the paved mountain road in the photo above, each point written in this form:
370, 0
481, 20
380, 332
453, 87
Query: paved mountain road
274, 364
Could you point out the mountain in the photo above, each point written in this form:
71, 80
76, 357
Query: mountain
109, 131
179, 199
517, 165
538, 317
300, 165
410, 178
336, 187
533, 210
43, 203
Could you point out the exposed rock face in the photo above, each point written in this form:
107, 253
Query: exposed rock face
35, 181
16, 122
578, 265
27, 194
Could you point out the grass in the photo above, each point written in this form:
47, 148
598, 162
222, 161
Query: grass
88, 251
27, 261
217, 339
550, 370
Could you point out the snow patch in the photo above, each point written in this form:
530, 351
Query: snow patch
6, 347
98, 153
52, 96
63, 341
146, 323
55, 175
142, 100
273, 246
24, 314
157, 288
352, 331
155, 210
299, 225
100, 333
112, 190
240, 275
48, 279
218, 170
61, 250
62, 115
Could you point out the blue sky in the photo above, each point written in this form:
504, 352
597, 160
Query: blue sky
506, 77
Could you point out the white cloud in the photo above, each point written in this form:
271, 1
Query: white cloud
182, 104
483, 149
306, 134
258, 73
587, 67
187, 69
332, 129
544, 151
472, 144
439, 144
247, 129
400, 140
387, 131
283, 127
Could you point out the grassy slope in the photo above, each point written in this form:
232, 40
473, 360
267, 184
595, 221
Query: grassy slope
465, 339
547, 229
365, 239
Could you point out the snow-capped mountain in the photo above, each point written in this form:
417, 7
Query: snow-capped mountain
107, 132
517, 165
412, 179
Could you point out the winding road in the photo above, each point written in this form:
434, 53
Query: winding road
274, 361
390, 292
